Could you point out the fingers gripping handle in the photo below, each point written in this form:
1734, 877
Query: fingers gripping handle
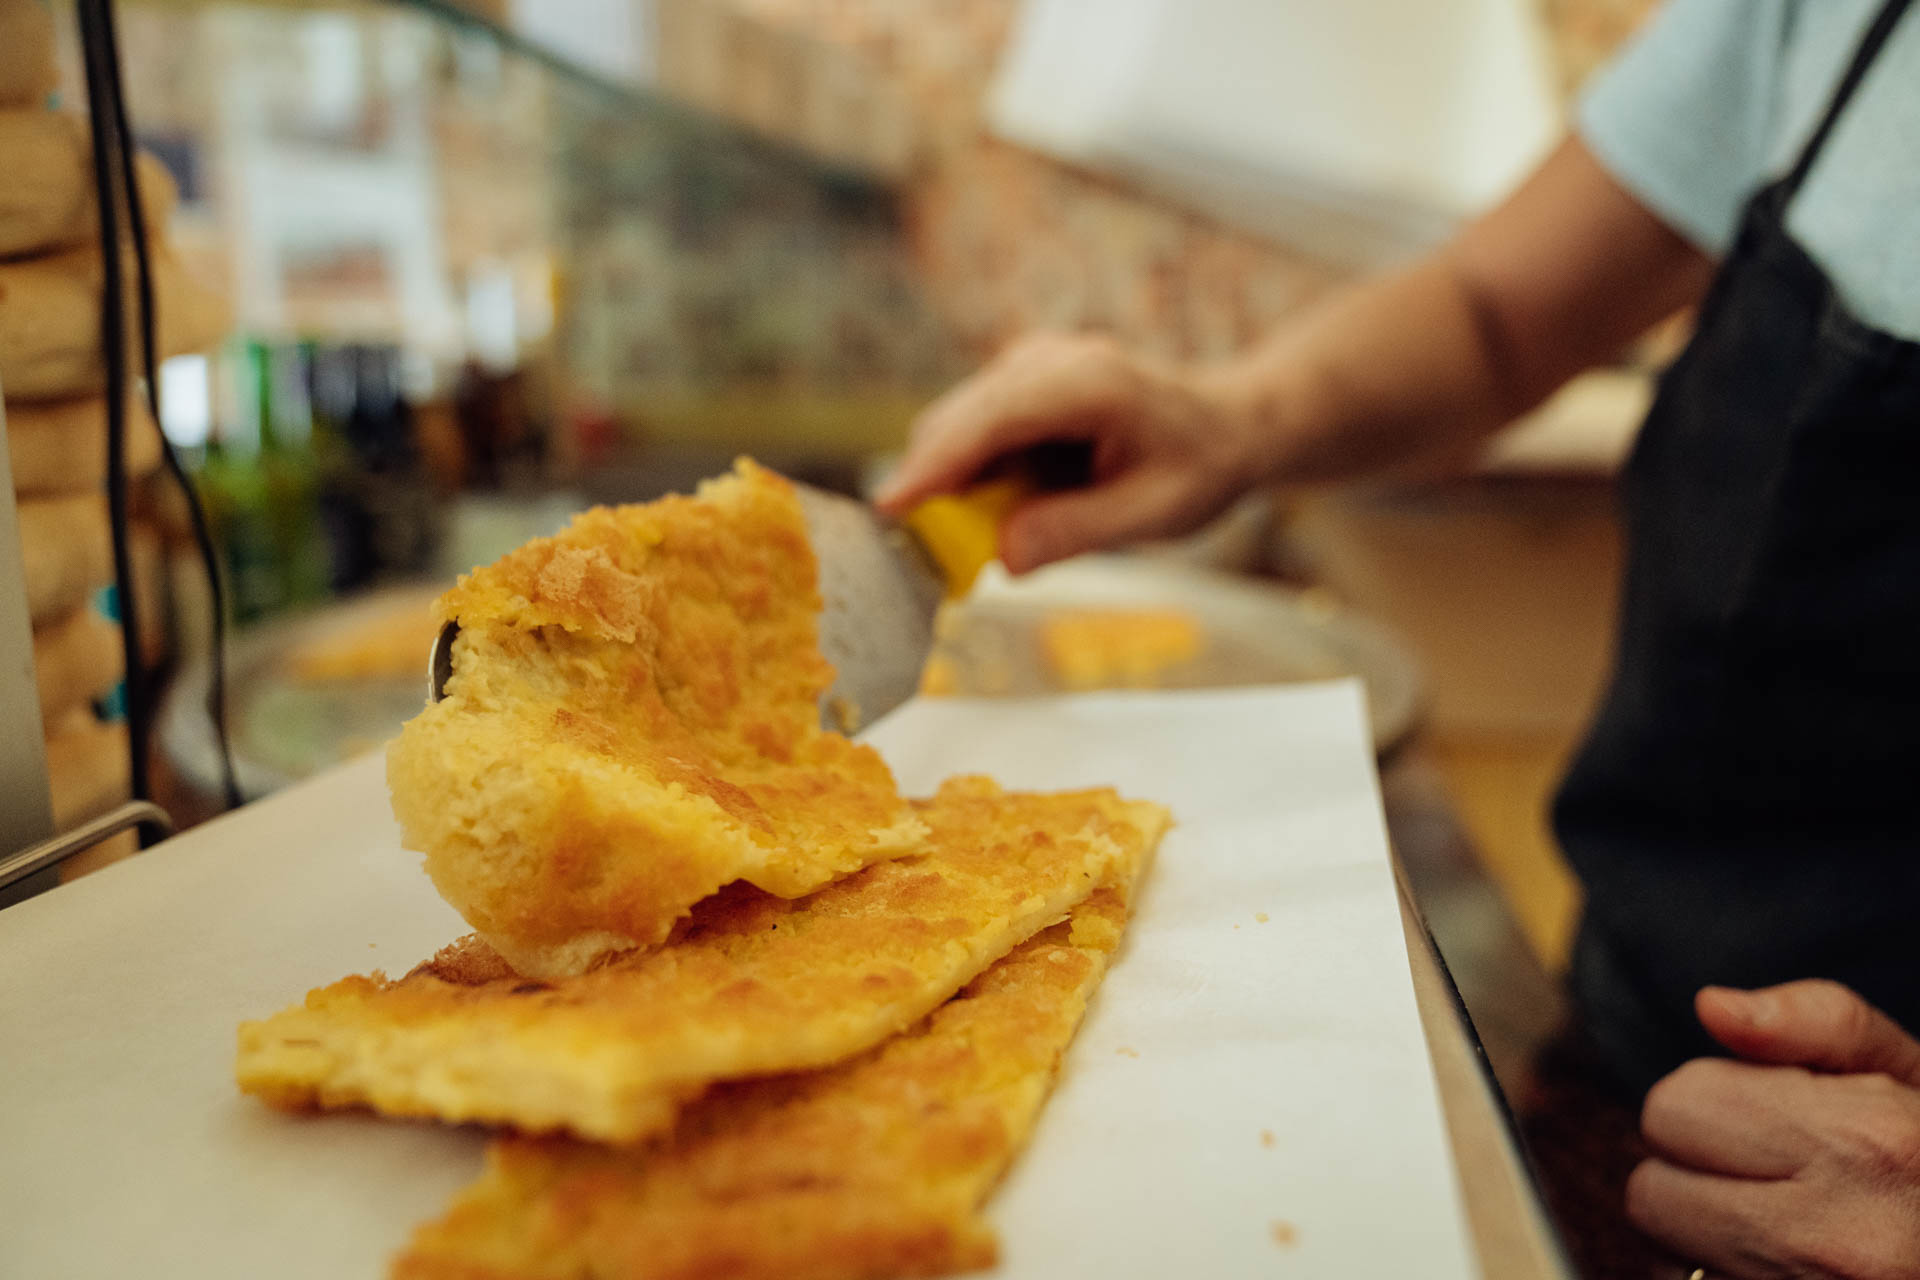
961, 532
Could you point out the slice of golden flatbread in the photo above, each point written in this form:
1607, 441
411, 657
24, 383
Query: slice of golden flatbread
750, 985
632, 722
874, 1168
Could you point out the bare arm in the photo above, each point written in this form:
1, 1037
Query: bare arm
1555, 280
1559, 277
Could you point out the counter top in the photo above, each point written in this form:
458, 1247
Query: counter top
132, 980
1511, 1228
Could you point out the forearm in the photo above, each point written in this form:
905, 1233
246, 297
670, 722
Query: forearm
1388, 369
1559, 277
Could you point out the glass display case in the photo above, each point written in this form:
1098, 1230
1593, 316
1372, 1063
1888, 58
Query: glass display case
474, 286
592, 281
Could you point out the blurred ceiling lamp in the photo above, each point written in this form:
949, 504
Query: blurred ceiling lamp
1359, 131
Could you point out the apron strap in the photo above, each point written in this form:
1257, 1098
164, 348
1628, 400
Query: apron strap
1870, 45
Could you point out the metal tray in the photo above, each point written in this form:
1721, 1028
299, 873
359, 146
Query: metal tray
289, 722
290, 718
1253, 632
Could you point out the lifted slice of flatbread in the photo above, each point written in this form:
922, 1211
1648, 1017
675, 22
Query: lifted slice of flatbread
750, 984
632, 722
875, 1168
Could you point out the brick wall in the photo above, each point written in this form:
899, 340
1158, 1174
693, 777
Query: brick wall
1010, 240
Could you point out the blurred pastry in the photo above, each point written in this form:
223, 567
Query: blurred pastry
87, 770
47, 201
28, 72
76, 660
1118, 648
391, 644
50, 321
115, 848
147, 553
60, 446
87, 767
68, 553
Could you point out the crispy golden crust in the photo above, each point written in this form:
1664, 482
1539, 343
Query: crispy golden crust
632, 723
875, 1168
751, 984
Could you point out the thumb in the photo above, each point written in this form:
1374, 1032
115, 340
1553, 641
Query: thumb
1816, 1023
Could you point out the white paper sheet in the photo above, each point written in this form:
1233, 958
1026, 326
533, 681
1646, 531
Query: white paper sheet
125, 1150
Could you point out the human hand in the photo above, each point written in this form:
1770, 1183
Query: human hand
1171, 448
1801, 1161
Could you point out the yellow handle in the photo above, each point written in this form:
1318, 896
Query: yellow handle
961, 532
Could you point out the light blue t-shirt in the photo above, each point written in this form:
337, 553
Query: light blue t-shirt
1714, 98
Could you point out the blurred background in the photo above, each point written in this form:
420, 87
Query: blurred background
438, 275
483, 264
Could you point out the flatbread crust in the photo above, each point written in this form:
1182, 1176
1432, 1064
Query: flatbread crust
752, 984
875, 1168
631, 724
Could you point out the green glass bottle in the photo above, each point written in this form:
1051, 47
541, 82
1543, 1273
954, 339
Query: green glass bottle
290, 472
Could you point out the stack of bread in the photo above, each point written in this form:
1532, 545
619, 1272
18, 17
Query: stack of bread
52, 376
740, 1008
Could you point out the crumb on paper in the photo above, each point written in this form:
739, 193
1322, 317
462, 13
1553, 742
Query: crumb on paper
1266, 1138
1283, 1233
1261, 917
1126, 1052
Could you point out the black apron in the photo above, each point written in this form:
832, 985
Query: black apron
1746, 808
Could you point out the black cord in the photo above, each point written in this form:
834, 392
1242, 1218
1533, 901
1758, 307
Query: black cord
196, 513
114, 341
